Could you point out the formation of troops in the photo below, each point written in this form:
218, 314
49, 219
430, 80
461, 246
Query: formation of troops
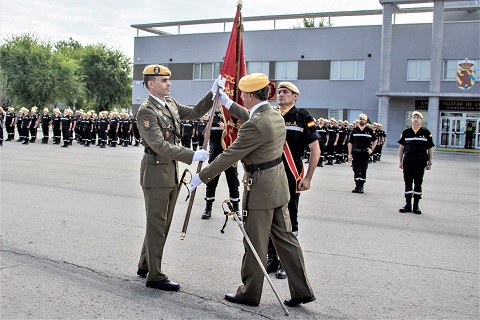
120, 128
86, 127
335, 136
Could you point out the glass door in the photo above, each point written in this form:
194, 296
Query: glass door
452, 132
445, 131
457, 133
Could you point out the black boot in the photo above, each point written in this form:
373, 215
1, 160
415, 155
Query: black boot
416, 208
65, 144
25, 141
125, 143
408, 204
358, 187
136, 143
272, 260
280, 273
207, 214
103, 144
87, 143
320, 162
46, 140
236, 209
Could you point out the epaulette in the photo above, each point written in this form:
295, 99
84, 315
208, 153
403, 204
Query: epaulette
144, 104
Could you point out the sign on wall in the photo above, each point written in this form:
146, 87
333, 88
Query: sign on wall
465, 74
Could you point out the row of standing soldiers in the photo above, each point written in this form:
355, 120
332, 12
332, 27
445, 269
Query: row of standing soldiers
192, 133
85, 127
334, 138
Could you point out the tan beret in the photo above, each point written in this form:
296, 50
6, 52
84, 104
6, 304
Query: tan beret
290, 86
333, 119
363, 116
156, 70
416, 113
253, 82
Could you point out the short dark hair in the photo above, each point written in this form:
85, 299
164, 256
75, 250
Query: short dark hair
148, 78
262, 94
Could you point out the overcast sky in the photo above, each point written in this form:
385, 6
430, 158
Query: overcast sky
109, 22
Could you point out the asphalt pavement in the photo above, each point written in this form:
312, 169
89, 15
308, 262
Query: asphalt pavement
72, 224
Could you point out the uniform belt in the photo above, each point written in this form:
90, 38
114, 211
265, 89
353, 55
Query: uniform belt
263, 166
360, 150
149, 150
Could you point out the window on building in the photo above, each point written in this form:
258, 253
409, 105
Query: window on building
353, 114
347, 70
418, 70
450, 69
335, 113
286, 70
258, 66
206, 71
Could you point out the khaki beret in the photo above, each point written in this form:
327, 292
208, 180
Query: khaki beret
416, 113
156, 70
290, 86
363, 116
333, 119
253, 82
45, 109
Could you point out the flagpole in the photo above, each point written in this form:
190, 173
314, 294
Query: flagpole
199, 166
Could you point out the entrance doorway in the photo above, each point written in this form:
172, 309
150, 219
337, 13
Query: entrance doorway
454, 130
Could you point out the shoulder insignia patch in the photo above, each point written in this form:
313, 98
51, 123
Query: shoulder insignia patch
146, 124
311, 124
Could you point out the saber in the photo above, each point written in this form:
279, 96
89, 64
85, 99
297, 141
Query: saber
245, 235
199, 167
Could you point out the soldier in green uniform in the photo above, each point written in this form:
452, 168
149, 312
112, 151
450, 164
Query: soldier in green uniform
259, 146
159, 126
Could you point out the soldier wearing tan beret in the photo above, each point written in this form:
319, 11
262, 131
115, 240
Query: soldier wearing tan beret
415, 154
259, 146
46, 122
159, 126
360, 147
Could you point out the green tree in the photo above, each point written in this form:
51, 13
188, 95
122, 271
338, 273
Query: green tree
311, 23
34, 73
107, 77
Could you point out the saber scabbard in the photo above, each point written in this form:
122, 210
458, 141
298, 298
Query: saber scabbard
199, 167
250, 244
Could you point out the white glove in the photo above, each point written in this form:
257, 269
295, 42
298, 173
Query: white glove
219, 83
200, 155
195, 182
224, 99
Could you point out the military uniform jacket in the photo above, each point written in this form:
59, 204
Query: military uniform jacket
160, 170
56, 120
322, 132
46, 118
259, 140
10, 118
416, 143
332, 133
300, 131
361, 140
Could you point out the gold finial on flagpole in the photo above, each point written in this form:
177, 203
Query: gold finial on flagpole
240, 3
